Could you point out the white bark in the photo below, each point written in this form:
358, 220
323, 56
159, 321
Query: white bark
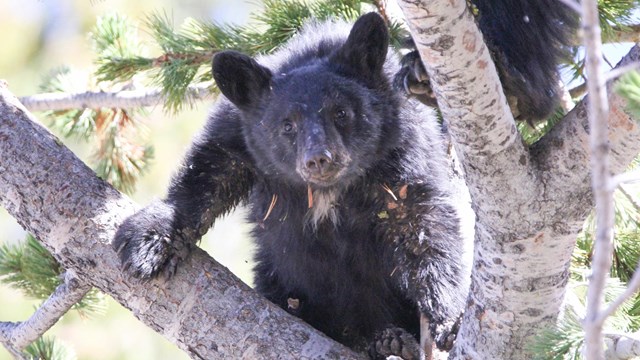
600, 180
622, 346
203, 309
19, 335
530, 203
126, 99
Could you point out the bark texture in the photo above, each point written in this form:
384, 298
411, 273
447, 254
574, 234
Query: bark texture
204, 309
19, 335
530, 203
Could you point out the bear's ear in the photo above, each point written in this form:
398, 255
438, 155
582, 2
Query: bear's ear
366, 47
240, 78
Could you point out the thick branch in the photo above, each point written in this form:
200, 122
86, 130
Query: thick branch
126, 99
473, 104
529, 204
67, 294
204, 309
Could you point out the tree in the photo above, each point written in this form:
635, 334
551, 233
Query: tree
520, 271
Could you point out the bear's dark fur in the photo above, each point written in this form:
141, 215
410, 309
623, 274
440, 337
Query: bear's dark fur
346, 182
527, 39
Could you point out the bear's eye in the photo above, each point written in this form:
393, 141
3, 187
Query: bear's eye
340, 114
287, 127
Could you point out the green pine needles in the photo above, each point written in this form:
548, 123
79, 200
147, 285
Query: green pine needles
177, 59
185, 54
114, 133
30, 268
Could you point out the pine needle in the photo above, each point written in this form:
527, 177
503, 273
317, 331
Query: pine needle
388, 189
274, 199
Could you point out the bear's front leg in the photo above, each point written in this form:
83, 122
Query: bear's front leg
150, 241
422, 232
215, 176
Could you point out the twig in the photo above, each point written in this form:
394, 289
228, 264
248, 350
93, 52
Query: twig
578, 91
634, 285
625, 178
17, 336
600, 181
631, 198
619, 71
122, 99
566, 99
381, 5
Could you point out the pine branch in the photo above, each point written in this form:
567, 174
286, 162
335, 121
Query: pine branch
601, 178
125, 99
70, 292
45, 348
624, 33
187, 52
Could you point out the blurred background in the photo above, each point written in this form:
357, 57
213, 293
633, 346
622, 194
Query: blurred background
41, 35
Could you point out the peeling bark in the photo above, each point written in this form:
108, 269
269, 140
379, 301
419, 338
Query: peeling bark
204, 309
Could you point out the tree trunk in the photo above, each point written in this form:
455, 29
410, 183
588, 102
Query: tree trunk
530, 203
204, 309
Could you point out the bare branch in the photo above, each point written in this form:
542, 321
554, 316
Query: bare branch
632, 199
632, 288
122, 99
578, 91
204, 309
621, 70
625, 178
67, 294
600, 180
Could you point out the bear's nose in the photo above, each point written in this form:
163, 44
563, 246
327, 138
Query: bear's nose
318, 162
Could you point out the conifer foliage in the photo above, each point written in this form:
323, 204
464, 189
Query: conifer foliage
177, 60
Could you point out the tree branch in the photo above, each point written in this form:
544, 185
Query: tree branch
628, 33
467, 88
600, 179
67, 294
125, 99
204, 309
622, 346
530, 203
632, 288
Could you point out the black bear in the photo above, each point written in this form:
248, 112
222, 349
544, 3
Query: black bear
346, 180
347, 185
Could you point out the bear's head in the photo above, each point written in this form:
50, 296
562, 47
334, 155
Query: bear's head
322, 122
